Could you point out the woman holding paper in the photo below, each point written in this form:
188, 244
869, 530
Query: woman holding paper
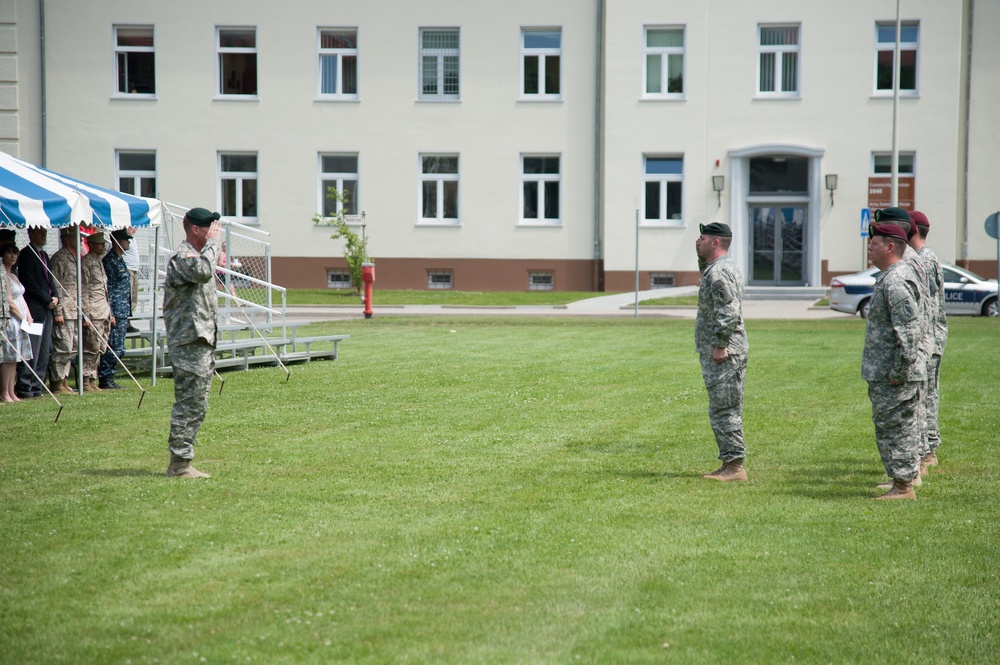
17, 346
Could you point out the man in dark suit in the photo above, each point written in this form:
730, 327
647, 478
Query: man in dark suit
40, 294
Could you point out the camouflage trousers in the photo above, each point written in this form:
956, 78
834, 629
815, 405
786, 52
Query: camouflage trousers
931, 401
95, 343
724, 382
193, 369
116, 347
898, 416
64, 349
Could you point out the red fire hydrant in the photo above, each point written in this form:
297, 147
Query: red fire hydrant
368, 277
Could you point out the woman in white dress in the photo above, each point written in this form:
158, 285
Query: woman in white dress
17, 339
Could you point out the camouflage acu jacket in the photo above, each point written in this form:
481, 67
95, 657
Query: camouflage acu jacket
893, 334
94, 288
189, 300
63, 267
935, 280
719, 323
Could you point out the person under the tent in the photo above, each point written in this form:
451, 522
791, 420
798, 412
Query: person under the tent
119, 283
64, 333
98, 320
42, 297
18, 344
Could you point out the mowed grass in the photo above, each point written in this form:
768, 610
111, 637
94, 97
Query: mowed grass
506, 491
438, 297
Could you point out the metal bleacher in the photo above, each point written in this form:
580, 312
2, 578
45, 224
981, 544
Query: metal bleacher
253, 325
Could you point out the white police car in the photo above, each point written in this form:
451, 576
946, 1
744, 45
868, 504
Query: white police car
964, 292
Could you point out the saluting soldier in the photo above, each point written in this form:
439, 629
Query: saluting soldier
893, 361
189, 312
721, 341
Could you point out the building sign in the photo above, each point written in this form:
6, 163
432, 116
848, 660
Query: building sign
880, 192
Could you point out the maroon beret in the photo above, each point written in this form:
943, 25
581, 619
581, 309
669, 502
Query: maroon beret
888, 231
920, 219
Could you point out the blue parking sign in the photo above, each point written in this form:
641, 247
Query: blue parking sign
866, 220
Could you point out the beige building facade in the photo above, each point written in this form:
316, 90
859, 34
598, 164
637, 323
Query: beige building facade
546, 144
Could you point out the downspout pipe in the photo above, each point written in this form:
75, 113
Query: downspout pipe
41, 39
598, 281
965, 147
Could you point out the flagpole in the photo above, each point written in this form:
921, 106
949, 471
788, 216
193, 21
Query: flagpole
894, 184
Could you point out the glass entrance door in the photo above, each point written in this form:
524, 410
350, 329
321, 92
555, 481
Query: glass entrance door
777, 245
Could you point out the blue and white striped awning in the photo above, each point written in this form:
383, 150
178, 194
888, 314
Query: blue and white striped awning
31, 196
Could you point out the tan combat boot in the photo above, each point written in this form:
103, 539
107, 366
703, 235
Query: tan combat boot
183, 469
729, 472
60, 387
901, 489
917, 482
930, 459
90, 385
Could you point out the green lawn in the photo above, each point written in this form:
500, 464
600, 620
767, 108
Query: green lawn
491, 490
441, 297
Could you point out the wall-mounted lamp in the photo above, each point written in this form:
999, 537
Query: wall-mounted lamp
831, 184
718, 184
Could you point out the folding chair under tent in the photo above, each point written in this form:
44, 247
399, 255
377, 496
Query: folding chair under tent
33, 197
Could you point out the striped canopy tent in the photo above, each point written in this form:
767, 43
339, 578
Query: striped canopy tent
31, 196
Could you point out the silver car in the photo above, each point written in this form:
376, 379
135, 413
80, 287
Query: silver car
965, 292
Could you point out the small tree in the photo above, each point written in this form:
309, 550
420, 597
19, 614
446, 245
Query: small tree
355, 252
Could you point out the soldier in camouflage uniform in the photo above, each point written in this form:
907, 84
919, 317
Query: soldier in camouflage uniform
97, 322
721, 342
119, 295
893, 363
64, 330
940, 325
901, 218
189, 312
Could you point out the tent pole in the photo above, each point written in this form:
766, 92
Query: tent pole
156, 274
79, 314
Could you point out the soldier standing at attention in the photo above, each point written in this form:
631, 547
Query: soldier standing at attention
97, 323
893, 361
189, 312
901, 218
64, 331
721, 341
939, 321
119, 292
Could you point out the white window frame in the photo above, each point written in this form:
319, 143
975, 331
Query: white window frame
440, 285
136, 175
891, 48
125, 50
907, 155
240, 177
540, 179
439, 55
544, 55
339, 177
664, 53
662, 179
779, 51
546, 280
440, 179
221, 51
338, 53
669, 280
332, 283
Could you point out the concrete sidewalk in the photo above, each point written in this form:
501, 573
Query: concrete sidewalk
621, 305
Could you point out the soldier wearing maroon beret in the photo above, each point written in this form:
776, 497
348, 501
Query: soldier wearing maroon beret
893, 363
939, 323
